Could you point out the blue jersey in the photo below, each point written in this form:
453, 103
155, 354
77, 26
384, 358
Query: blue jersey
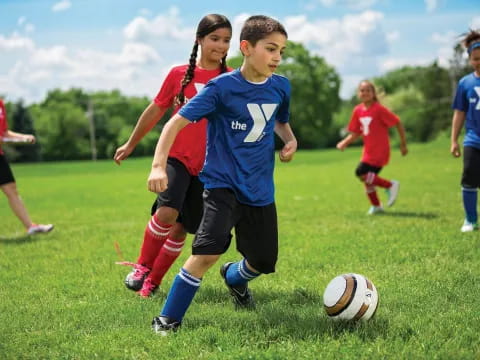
240, 135
467, 99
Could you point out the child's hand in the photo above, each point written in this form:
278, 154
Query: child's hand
403, 149
29, 139
286, 154
341, 145
122, 153
455, 149
157, 180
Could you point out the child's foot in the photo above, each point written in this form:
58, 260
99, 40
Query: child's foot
135, 278
241, 294
468, 226
39, 229
375, 210
163, 325
392, 192
148, 288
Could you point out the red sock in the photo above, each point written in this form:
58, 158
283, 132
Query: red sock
169, 252
154, 237
372, 195
373, 179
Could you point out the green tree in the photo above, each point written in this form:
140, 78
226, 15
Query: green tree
21, 121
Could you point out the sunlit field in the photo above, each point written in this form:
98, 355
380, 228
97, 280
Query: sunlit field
62, 296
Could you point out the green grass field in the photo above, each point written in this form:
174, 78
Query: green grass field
62, 296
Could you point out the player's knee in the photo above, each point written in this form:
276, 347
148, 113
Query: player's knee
167, 215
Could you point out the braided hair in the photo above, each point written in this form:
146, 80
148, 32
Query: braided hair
207, 25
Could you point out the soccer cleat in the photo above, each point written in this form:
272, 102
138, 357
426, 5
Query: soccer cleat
468, 226
240, 293
392, 192
162, 325
39, 229
375, 210
135, 278
148, 288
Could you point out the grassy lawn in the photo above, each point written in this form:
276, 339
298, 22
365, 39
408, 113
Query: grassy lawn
62, 296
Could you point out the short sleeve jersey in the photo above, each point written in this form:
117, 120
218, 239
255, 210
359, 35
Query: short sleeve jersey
467, 99
3, 122
373, 123
189, 145
240, 138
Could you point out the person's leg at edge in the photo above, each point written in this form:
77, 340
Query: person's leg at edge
16, 203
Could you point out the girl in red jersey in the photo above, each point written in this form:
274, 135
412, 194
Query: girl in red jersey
371, 120
178, 210
7, 181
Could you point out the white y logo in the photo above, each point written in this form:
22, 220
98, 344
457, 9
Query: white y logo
260, 116
477, 90
365, 121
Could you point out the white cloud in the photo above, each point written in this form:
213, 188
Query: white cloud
21, 20
394, 63
167, 25
431, 5
358, 37
447, 41
393, 36
16, 42
62, 6
352, 4
475, 23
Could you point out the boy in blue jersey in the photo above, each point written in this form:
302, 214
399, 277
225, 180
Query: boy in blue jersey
466, 105
244, 108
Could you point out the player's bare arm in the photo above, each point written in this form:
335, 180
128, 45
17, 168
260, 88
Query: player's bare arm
157, 180
457, 124
284, 131
149, 118
403, 138
350, 138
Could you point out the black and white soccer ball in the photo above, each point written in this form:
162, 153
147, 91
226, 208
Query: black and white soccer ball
350, 297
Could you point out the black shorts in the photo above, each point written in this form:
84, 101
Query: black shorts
184, 194
6, 175
471, 167
364, 168
256, 229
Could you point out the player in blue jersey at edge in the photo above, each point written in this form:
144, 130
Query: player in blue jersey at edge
466, 105
244, 108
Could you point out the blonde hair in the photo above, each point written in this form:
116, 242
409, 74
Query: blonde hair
377, 95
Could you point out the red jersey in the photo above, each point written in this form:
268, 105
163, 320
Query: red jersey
3, 122
373, 124
190, 144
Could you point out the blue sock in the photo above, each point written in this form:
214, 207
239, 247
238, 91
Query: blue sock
181, 295
470, 204
239, 274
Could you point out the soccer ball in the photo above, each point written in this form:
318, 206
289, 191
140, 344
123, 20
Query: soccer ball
350, 297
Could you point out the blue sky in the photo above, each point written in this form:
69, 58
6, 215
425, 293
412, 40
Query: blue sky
131, 44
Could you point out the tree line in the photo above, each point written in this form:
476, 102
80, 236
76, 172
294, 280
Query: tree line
76, 125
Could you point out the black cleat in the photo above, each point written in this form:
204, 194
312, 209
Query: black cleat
163, 325
240, 293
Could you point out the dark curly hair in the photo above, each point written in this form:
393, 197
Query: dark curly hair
471, 37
